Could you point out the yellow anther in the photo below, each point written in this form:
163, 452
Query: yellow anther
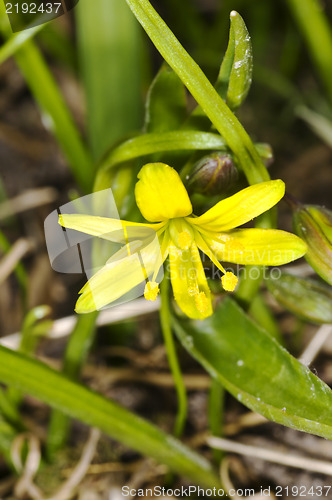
229, 281
184, 240
201, 302
151, 290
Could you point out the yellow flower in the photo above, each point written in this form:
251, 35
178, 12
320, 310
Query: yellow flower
164, 202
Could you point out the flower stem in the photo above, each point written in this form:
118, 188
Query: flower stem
165, 320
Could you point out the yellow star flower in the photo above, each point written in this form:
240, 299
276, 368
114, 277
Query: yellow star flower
164, 202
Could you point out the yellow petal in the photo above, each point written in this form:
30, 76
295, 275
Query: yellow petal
241, 207
269, 247
160, 193
125, 274
189, 283
103, 227
109, 284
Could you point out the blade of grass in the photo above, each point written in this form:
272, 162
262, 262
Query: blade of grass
52, 105
76, 353
16, 41
109, 42
34, 327
55, 389
317, 33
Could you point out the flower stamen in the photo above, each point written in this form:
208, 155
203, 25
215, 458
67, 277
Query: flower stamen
229, 281
127, 239
151, 290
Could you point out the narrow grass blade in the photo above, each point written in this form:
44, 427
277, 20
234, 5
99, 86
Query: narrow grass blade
109, 42
16, 41
317, 32
53, 388
53, 107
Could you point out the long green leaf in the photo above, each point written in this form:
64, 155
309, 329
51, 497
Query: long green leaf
179, 140
53, 388
147, 144
52, 105
77, 350
258, 371
55, 110
16, 41
109, 42
317, 32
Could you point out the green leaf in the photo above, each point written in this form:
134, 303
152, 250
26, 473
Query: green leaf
235, 74
166, 102
51, 387
257, 370
308, 299
78, 347
16, 41
110, 49
313, 224
147, 144
317, 32
55, 112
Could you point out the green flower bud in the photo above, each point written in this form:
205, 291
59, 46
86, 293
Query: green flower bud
314, 225
213, 174
306, 298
